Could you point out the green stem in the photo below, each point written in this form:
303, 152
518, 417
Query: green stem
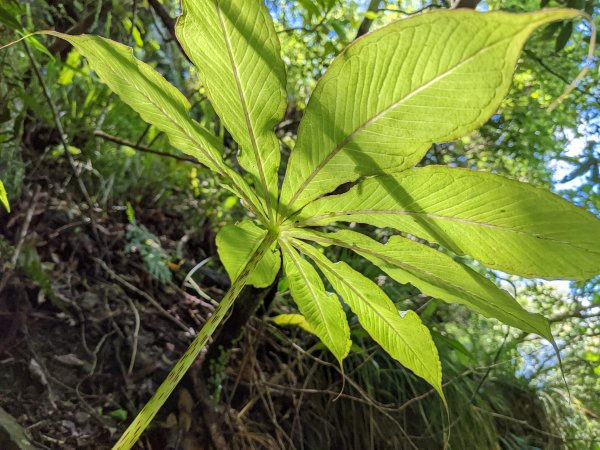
143, 419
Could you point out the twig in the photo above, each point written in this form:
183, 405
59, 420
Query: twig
143, 135
147, 296
169, 23
365, 25
45, 375
587, 65
65, 144
141, 148
553, 72
136, 332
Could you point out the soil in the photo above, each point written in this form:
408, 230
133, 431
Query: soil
86, 333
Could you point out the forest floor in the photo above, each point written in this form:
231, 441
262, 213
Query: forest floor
87, 334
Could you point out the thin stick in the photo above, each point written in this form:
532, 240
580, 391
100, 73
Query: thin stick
144, 149
65, 144
588, 63
147, 296
136, 333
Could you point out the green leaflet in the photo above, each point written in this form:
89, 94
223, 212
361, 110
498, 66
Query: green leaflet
234, 45
298, 320
322, 310
158, 102
507, 225
437, 275
391, 94
402, 335
4, 197
148, 93
237, 243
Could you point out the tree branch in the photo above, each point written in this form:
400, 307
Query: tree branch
65, 145
169, 23
365, 26
561, 77
143, 149
469, 4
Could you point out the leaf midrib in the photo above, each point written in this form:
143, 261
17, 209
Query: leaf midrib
314, 220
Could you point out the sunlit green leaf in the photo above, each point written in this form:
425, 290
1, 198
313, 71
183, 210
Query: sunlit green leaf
235, 47
437, 275
148, 93
70, 68
119, 414
157, 101
507, 225
390, 95
297, 320
322, 310
237, 243
4, 197
402, 335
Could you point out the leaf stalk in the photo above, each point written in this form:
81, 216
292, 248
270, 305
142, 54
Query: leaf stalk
143, 419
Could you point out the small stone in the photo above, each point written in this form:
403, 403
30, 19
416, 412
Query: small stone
81, 417
69, 360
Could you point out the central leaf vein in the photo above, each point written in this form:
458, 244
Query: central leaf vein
244, 104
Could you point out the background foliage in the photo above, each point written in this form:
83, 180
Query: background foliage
70, 190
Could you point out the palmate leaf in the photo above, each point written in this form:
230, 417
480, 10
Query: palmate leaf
507, 225
437, 275
4, 197
322, 310
237, 243
391, 94
431, 78
158, 102
234, 45
403, 336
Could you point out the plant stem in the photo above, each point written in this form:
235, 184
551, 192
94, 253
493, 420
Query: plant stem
143, 419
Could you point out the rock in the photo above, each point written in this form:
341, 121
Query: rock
81, 417
69, 360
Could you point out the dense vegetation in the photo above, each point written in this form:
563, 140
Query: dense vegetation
108, 220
